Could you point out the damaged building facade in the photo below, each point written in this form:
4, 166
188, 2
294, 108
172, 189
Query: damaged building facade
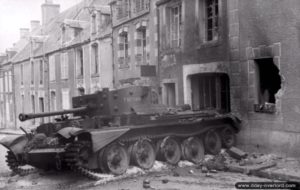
238, 56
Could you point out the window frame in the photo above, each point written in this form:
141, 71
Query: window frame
79, 62
215, 17
41, 68
64, 62
95, 59
32, 72
175, 33
52, 68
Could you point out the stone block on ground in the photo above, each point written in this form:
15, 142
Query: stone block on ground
250, 169
236, 153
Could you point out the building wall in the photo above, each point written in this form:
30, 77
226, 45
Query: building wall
267, 29
134, 71
7, 113
195, 54
27, 89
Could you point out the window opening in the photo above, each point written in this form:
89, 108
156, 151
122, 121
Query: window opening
269, 80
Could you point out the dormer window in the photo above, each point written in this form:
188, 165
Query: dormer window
71, 29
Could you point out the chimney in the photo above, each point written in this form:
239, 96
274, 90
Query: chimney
49, 11
24, 33
34, 24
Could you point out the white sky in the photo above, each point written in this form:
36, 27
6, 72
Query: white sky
16, 14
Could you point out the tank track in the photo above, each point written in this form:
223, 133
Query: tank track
73, 161
15, 166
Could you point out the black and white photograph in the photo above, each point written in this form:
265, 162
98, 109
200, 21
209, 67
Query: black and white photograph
149, 94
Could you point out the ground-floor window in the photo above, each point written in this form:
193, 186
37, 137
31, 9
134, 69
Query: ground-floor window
169, 94
210, 92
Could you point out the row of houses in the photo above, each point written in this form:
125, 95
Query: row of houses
225, 55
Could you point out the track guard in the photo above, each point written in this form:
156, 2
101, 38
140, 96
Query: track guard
68, 132
15, 143
103, 138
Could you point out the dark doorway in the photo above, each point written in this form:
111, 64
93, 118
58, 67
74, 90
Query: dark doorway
210, 91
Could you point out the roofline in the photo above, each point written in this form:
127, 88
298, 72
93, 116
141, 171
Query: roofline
64, 48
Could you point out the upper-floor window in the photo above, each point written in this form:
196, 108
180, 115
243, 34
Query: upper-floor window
52, 67
64, 66
141, 46
122, 9
41, 71
175, 24
10, 81
79, 62
22, 103
212, 19
123, 53
32, 72
22, 74
141, 5
94, 23
95, 59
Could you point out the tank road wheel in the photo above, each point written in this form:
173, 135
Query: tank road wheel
143, 154
228, 137
170, 150
77, 157
193, 150
212, 142
115, 159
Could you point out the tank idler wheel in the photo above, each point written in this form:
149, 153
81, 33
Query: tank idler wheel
170, 150
143, 154
115, 159
212, 142
228, 137
100, 161
193, 150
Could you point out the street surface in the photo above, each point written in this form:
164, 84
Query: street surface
184, 177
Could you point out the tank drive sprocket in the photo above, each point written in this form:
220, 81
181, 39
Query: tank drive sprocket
76, 157
16, 166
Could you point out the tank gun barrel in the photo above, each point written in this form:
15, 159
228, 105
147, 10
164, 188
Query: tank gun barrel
24, 117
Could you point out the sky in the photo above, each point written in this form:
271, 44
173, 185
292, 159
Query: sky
16, 14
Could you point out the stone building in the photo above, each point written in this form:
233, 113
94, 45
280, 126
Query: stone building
193, 54
7, 95
264, 50
235, 55
68, 56
135, 37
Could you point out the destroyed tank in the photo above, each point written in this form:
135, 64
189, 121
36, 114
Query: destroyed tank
110, 131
